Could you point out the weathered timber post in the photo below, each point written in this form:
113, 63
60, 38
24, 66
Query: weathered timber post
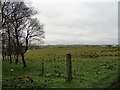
69, 67
42, 67
54, 58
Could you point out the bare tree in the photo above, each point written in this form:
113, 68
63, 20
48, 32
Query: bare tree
33, 32
21, 27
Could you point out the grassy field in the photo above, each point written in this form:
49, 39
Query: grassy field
92, 67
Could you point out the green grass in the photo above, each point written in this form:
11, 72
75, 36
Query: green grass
92, 67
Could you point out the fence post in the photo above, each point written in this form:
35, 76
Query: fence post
69, 67
42, 67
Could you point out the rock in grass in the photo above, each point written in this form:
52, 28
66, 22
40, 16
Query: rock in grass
12, 70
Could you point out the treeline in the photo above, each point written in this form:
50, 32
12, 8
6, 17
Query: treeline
19, 29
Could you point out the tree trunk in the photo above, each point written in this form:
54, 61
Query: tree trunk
10, 58
16, 58
9, 46
20, 49
23, 60
3, 58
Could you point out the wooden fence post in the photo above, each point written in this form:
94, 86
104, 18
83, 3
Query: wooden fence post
42, 67
69, 67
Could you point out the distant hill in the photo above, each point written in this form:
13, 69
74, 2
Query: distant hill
62, 46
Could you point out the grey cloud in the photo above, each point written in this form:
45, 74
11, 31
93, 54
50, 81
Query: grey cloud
75, 22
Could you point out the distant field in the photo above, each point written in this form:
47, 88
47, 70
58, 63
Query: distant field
92, 67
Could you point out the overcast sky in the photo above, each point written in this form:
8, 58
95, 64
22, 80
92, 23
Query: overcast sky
78, 22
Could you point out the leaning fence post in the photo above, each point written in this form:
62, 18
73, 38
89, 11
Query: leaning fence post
69, 67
